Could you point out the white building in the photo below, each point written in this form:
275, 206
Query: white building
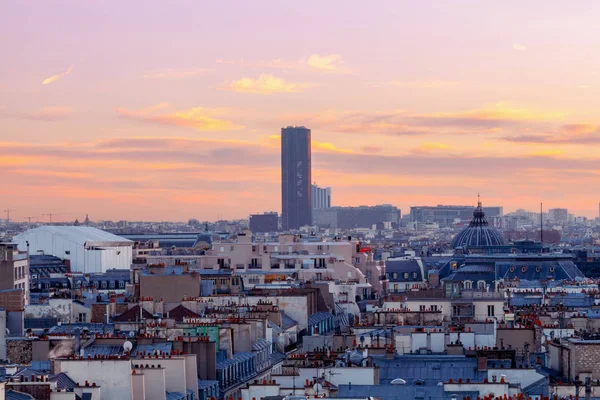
321, 197
87, 249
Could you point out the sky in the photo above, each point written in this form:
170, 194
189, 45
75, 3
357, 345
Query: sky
154, 110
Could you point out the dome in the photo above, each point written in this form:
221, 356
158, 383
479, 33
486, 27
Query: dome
478, 233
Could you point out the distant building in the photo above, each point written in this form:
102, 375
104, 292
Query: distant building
357, 217
321, 197
558, 215
262, 223
295, 177
87, 249
448, 215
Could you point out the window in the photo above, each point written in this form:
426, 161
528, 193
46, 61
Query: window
434, 307
395, 275
481, 285
122, 284
253, 249
319, 248
222, 249
468, 285
414, 275
81, 317
103, 285
491, 311
405, 275
254, 263
276, 249
396, 287
357, 260
422, 307
111, 284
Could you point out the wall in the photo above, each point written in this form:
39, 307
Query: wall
12, 300
175, 374
515, 338
191, 373
154, 382
19, 351
2, 334
56, 308
171, 288
138, 386
585, 357
524, 377
499, 389
114, 376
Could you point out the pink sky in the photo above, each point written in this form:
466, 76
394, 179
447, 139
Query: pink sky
171, 110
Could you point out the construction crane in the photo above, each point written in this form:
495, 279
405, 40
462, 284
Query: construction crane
29, 219
7, 211
49, 215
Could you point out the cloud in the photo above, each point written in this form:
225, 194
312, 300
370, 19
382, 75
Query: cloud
331, 63
51, 113
174, 73
519, 47
372, 149
243, 176
316, 146
328, 63
265, 84
54, 78
428, 146
578, 134
427, 84
488, 120
199, 118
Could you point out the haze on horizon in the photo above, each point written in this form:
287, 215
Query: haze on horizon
168, 111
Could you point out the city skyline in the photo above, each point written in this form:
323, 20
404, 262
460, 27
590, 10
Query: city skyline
103, 113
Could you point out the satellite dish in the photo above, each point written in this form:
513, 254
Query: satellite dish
398, 381
127, 346
132, 334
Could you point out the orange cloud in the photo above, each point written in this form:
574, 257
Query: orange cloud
328, 63
265, 84
54, 78
199, 118
433, 146
323, 147
331, 63
519, 47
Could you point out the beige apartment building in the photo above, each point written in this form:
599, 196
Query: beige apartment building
14, 269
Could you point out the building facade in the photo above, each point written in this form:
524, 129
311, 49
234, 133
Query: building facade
14, 269
262, 223
356, 217
321, 197
447, 216
296, 207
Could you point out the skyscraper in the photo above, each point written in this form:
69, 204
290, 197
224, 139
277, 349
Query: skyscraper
321, 197
296, 201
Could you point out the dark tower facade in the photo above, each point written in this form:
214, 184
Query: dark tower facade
296, 203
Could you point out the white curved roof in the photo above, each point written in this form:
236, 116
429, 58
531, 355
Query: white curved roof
84, 235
